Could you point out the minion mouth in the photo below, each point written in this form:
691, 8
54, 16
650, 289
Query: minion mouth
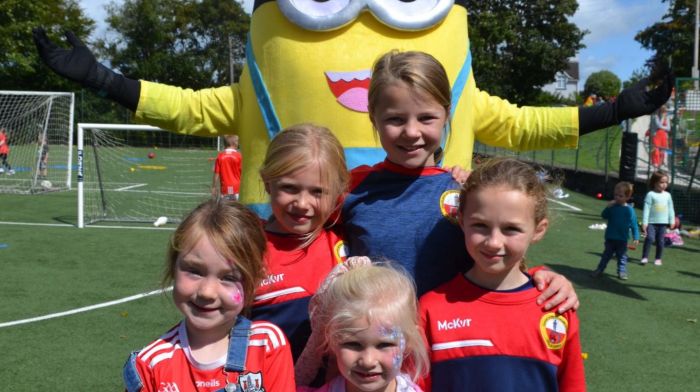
350, 88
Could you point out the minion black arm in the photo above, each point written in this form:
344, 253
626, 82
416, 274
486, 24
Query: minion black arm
80, 65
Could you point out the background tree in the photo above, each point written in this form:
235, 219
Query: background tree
673, 36
602, 83
20, 66
518, 46
178, 42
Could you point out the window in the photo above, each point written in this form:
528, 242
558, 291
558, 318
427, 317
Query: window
561, 82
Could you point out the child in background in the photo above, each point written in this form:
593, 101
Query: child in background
405, 208
305, 175
366, 320
227, 170
43, 151
657, 214
621, 219
215, 261
4, 153
484, 331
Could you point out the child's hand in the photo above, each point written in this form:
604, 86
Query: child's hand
556, 290
458, 174
644, 230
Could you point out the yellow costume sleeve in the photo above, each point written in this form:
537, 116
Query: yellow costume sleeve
499, 123
207, 112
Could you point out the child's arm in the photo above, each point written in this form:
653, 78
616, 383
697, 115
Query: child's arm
215, 185
570, 373
556, 290
634, 225
646, 211
279, 370
671, 212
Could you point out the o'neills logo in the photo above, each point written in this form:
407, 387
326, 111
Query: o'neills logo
449, 205
553, 328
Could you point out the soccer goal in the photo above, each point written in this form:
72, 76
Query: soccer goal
38, 131
139, 173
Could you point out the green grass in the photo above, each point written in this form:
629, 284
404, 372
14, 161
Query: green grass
640, 335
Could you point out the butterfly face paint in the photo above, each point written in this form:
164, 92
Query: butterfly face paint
395, 334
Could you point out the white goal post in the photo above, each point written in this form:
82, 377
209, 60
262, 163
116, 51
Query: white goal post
140, 173
39, 133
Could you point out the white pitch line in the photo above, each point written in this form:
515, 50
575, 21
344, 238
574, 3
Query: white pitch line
84, 309
130, 187
88, 226
566, 205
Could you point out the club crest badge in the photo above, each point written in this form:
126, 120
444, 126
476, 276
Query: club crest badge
554, 328
449, 205
340, 251
251, 382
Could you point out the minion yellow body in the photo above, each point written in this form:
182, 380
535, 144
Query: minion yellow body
322, 77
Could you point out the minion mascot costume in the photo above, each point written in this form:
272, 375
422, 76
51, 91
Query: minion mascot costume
310, 61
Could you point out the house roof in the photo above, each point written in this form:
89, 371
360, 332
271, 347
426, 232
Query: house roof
572, 70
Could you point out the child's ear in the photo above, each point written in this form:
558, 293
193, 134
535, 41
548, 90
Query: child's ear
459, 219
540, 229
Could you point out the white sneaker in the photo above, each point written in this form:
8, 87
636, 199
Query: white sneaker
10, 172
2, 170
644, 261
658, 262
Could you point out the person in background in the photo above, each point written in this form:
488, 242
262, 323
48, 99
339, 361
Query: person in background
227, 170
621, 220
658, 213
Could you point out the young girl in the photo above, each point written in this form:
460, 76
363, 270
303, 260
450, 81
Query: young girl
657, 214
405, 208
367, 321
215, 261
483, 328
305, 175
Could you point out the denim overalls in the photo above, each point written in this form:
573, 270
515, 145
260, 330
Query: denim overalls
235, 359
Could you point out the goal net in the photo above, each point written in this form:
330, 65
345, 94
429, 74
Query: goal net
38, 132
138, 173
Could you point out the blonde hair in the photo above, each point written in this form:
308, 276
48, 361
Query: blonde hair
301, 145
625, 187
231, 140
374, 292
233, 230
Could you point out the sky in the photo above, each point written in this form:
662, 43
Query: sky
610, 44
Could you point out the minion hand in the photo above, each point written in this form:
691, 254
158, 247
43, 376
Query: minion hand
80, 65
632, 102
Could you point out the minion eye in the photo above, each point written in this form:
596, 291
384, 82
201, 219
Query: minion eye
410, 15
320, 15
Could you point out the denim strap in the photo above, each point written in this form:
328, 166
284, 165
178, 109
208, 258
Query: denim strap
132, 380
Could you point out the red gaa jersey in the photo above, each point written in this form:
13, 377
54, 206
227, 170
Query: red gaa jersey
228, 167
293, 276
167, 365
482, 340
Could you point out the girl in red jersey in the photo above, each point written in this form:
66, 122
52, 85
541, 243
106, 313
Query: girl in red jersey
483, 328
366, 321
215, 262
305, 175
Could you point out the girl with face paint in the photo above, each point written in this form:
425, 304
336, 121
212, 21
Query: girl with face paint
215, 262
367, 323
